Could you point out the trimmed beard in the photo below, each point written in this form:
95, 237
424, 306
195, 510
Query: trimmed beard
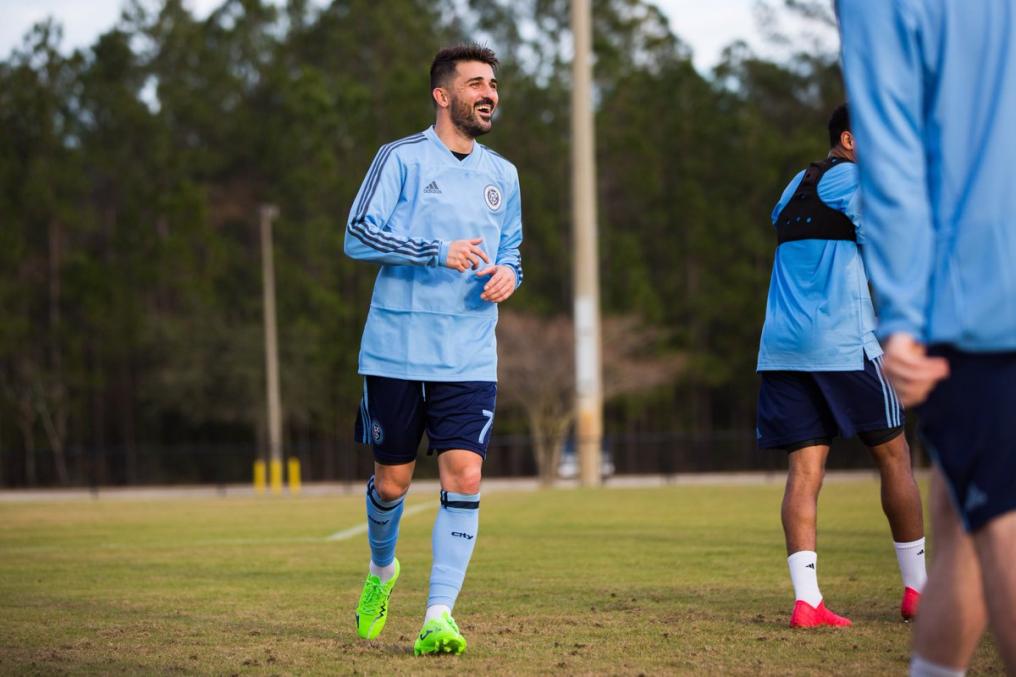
464, 120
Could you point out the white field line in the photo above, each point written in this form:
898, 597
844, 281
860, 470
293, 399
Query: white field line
343, 535
346, 534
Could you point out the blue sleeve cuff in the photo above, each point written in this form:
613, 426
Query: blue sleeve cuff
442, 254
518, 276
887, 328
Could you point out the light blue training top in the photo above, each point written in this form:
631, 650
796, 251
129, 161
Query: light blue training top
427, 322
819, 315
932, 88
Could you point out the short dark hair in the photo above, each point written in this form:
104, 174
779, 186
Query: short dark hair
445, 61
839, 122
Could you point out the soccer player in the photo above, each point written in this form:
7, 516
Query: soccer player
822, 376
933, 85
442, 215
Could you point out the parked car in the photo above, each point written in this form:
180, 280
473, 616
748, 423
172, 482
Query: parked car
568, 468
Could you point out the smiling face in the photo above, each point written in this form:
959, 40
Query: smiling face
470, 97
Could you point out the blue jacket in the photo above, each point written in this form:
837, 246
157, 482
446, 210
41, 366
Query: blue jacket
932, 90
427, 322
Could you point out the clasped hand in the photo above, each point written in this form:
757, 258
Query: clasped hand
464, 255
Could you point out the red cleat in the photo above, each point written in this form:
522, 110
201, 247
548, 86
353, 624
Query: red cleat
908, 607
808, 616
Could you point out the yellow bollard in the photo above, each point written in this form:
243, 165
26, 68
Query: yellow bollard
293, 473
259, 477
275, 468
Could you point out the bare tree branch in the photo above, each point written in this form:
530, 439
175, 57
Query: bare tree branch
537, 372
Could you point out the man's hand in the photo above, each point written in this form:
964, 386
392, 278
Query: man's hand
911, 371
466, 254
501, 284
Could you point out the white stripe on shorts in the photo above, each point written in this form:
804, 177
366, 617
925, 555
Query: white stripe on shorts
892, 405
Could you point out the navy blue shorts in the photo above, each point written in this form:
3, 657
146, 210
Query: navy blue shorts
969, 427
395, 413
801, 408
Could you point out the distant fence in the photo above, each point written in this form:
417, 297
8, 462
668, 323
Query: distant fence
509, 456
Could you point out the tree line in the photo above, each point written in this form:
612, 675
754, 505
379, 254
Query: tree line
131, 172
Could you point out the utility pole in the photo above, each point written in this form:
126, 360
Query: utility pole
268, 213
588, 370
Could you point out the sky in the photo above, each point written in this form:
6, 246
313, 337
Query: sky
706, 25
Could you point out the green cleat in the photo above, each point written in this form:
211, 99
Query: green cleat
372, 611
440, 635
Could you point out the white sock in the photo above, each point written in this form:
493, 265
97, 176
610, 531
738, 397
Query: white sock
804, 576
384, 573
435, 611
922, 668
911, 558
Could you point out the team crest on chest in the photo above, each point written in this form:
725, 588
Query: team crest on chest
492, 196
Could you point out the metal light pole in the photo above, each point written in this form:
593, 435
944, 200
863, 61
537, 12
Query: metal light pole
268, 214
588, 376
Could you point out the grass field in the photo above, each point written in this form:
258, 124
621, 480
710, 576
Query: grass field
673, 580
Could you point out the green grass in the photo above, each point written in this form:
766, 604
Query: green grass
687, 580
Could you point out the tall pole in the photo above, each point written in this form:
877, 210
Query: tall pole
268, 214
588, 378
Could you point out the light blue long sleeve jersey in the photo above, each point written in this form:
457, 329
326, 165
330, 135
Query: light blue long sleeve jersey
932, 88
819, 315
427, 322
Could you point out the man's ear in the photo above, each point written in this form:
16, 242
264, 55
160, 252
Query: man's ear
847, 140
440, 95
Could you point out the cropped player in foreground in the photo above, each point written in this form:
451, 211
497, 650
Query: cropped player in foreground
442, 215
933, 85
822, 374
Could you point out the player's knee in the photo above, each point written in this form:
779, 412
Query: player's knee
897, 470
390, 488
895, 466
810, 476
465, 480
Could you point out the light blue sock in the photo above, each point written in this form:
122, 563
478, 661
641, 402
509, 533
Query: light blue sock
454, 536
382, 525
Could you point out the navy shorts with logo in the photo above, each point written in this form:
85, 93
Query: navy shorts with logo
395, 413
969, 427
801, 408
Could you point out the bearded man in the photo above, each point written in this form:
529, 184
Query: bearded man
442, 215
